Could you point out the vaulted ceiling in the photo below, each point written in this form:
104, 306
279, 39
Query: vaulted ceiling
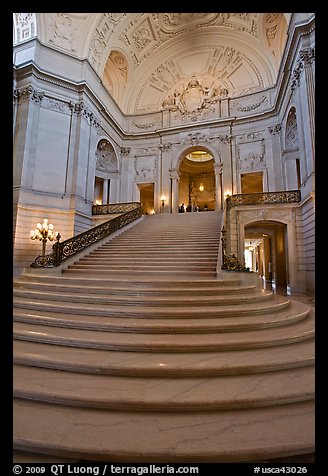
144, 59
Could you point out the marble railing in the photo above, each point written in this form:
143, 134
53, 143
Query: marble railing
71, 246
263, 198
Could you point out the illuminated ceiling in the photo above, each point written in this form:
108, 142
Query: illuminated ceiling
143, 59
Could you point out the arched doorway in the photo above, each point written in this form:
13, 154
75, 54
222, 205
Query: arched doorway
197, 180
265, 252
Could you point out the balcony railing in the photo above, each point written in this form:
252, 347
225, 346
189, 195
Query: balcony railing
263, 198
112, 208
70, 247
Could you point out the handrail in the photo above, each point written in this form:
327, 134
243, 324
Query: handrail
76, 244
263, 198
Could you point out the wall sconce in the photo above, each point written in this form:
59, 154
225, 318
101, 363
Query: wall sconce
163, 200
43, 233
201, 187
227, 194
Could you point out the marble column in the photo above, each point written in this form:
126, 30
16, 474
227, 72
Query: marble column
307, 57
218, 186
175, 176
105, 192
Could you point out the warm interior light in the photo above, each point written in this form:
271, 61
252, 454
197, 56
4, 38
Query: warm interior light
163, 198
201, 187
227, 194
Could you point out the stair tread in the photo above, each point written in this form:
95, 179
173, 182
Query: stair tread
107, 435
116, 362
164, 394
276, 303
156, 342
294, 312
194, 299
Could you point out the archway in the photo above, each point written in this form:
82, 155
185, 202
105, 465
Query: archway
197, 180
265, 251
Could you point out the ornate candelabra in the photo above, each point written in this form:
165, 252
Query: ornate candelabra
44, 232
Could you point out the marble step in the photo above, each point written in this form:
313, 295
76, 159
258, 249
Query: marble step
159, 247
140, 282
164, 364
152, 272
294, 313
154, 342
118, 436
275, 304
133, 258
149, 264
163, 394
191, 300
130, 289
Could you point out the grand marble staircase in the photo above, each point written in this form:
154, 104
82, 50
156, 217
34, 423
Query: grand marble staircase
139, 352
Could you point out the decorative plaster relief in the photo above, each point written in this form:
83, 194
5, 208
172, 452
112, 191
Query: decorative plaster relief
103, 31
250, 155
267, 213
25, 26
291, 137
244, 106
56, 105
145, 168
145, 151
63, 31
193, 97
143, 35
106, 160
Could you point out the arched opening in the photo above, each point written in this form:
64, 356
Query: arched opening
265, 252
197, 180
106, 169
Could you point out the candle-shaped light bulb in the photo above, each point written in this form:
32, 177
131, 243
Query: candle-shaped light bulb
51, 227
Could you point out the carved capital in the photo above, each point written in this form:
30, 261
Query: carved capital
218, 168
165, 147
276, 129
125, 150
307, 56
15, 95
174, 174
225, 139
29, 93
80, 109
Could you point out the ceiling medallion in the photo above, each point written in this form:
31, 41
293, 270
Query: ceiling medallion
194, 97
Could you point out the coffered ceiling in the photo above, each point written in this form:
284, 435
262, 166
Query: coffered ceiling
146, 60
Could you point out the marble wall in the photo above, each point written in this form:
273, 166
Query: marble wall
62, 113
